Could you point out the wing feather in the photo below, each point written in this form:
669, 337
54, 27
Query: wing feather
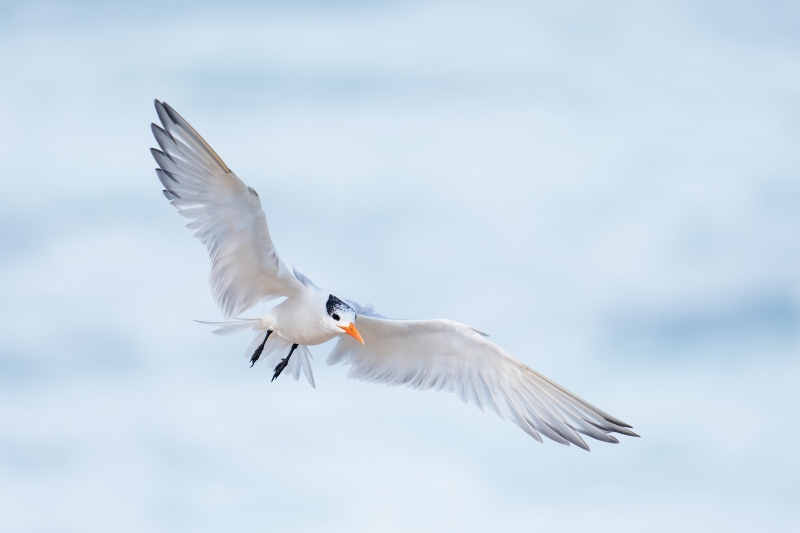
225, 215
446, 355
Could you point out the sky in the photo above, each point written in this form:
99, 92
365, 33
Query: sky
611, 191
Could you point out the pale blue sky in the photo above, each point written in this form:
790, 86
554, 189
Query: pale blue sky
611, 192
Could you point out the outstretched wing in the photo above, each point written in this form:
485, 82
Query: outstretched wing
446, 355
225, 214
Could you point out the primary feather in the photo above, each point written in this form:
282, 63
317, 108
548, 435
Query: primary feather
225, 215
445, 355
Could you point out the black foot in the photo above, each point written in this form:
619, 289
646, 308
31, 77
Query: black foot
260, 349
283, 363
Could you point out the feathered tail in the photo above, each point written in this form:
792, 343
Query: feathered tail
274, 350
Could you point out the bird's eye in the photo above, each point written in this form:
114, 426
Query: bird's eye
335, 317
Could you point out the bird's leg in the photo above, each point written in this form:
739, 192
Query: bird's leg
260, 349
283, 363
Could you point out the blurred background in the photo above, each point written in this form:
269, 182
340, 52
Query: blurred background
611, 191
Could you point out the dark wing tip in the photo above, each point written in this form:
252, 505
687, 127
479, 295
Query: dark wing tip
175, 117
617, 422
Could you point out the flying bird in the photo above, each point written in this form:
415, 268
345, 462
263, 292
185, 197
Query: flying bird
226, 215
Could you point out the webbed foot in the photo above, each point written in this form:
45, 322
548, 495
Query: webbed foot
285, 361
260, 349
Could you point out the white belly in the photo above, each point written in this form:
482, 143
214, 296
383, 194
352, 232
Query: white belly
295, 321
303, 336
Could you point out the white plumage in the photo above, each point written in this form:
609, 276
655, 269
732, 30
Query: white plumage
226, 216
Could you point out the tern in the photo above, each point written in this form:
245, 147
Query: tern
440, 354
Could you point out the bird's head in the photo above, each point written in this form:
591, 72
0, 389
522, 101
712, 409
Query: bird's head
342, 317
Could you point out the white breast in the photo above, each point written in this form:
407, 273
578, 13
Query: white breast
300, 320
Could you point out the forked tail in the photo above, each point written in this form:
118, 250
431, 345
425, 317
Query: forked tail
274, 349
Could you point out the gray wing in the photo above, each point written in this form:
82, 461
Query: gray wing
225, 215
446, 355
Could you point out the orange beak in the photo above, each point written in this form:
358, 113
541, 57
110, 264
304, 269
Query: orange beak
353, 332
